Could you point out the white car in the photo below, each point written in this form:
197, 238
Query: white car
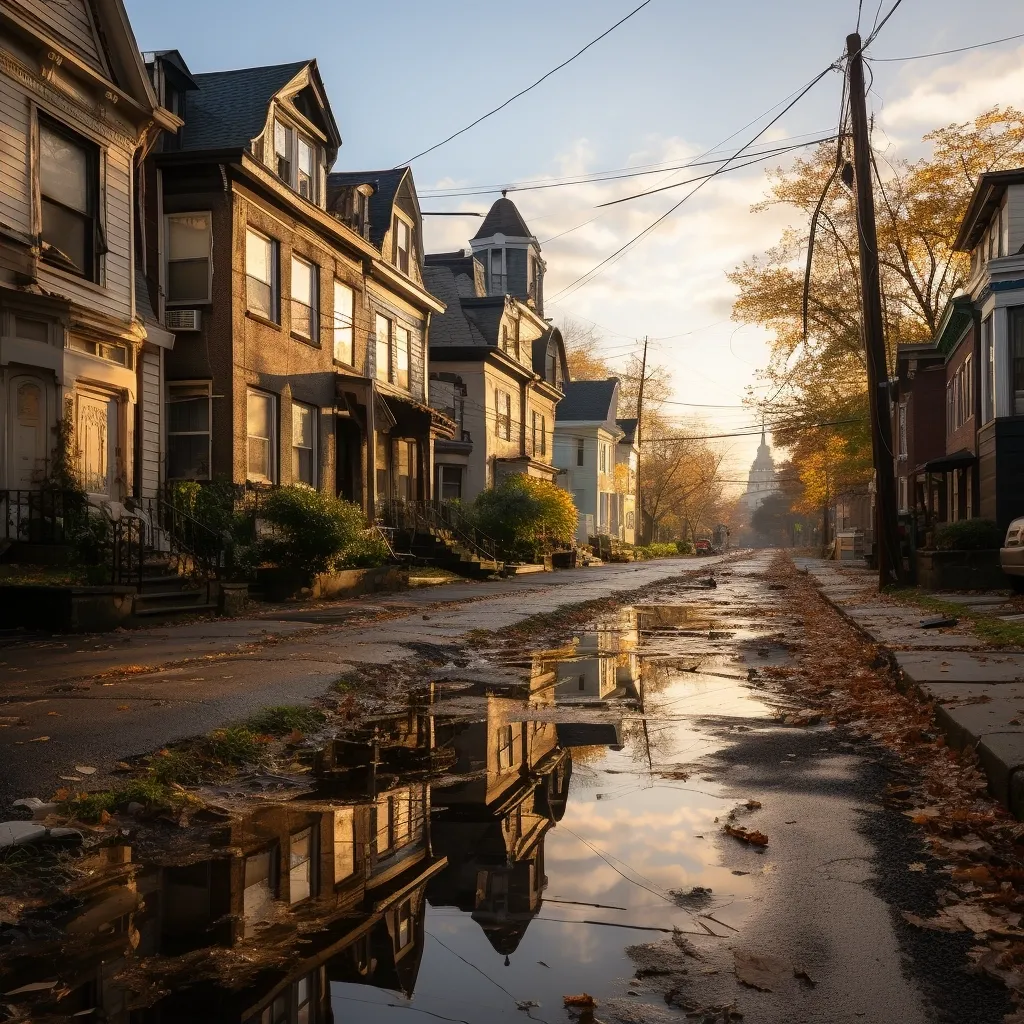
1011, 554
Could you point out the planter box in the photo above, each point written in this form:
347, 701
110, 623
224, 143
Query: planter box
959, 570
67, 609
276, 584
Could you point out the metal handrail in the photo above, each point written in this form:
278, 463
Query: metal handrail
440, 515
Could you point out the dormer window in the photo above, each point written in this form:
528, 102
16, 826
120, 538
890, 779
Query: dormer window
296, 160
401, 245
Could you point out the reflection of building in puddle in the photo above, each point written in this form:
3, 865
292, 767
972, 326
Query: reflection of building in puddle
491, 825
254, 924
657, 617
604, 662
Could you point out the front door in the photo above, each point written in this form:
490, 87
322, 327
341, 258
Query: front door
28, 422
97, 442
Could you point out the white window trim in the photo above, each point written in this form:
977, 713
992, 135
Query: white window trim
208, 386
274, 474
174, 303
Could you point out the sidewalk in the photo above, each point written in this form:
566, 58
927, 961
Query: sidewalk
978, 691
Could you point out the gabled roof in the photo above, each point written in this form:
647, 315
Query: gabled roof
503, 218
988, 194
540, 353
628, 428
385, 187
588, 401
230, 107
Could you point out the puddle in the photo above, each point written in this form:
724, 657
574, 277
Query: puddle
495, 847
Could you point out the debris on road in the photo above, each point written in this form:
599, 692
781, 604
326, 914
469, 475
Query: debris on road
765, 973
746, 835
26, 833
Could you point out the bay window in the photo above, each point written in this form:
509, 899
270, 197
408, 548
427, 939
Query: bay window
188, 258
344, 329
261, 291
69, 200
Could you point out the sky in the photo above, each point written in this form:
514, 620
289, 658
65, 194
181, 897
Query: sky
674, 81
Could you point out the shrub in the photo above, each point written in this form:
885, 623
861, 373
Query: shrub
310, 529
525, 515
684, 547
211, 504
968, 535
657, 549
366, 552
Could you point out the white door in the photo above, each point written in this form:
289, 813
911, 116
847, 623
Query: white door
97, 442
28, 423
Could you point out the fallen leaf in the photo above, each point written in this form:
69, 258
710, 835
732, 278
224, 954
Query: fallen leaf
917, 865
84, 769
765, 973
582, 1001
746, 835
123, 707
54, 714
40, 739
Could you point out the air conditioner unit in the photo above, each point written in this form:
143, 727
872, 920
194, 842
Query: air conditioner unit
183, 319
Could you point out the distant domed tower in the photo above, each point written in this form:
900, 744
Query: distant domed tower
510, 254
762, 479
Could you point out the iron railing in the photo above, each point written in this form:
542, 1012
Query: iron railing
438, 517
44, 516
191, 547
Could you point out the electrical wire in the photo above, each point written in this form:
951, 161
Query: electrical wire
523, 92
943, 53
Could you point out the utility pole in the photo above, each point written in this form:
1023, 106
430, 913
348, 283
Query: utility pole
887, 541
639, 421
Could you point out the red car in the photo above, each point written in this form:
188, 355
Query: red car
702, 547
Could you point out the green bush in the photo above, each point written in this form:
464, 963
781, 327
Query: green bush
657, 550
211, 504
525, 516
365, 552
968, 535
684, 547
309, 530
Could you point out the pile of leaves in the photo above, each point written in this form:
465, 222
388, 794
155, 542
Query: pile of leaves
978, 843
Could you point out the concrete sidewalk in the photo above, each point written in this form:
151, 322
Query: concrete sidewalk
978, 691
98, 699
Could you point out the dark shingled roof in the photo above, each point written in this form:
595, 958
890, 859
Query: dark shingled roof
382, 202
592, 400
486, 314
230, 107
503, 218
450, 327
467, 268
628, 428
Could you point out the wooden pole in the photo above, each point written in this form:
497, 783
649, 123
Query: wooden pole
887, 545
639, 421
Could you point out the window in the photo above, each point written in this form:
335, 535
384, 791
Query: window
344, 843
538, 431
506, 749
544, 435
188, 432
303, 1000
304, 299
402, 244
1016, 327
69, 200
579, 451
403, 930
503, 414
344, 330
260, 889
604, 510
449, 482
968, 388
405, 465
300, 866
261, 275
902, 419
305, 184
382, 363
402, 356
283, 151
987, 372
260, 423
604, 457
534, 281
902, 493
188, 258
303, 444
399, 819
496, 272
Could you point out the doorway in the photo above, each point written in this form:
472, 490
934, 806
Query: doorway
96, 437
28, 422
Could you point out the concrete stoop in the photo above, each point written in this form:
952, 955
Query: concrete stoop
978, 694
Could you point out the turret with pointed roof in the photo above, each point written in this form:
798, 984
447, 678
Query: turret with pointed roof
510, 254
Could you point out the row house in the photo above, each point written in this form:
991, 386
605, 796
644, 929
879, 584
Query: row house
295, 294
497, 367
77, 111
597, 458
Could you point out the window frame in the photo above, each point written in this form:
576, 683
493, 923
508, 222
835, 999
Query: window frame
275, 277
294, 137
503, 419
313, 449
442, 484
398, 221
181, 384
95, 200
207, 215
313, 338
397, 332
339, 329
310, 835
378, 319
580, 451
273, 475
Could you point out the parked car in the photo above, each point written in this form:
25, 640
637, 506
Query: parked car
702, 547
1011, 554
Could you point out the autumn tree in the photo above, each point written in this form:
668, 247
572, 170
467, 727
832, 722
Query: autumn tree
816, 385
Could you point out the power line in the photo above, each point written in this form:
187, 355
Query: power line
943, 53
523, 92
746, 433
589, 276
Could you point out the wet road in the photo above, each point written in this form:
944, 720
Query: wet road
529, 825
